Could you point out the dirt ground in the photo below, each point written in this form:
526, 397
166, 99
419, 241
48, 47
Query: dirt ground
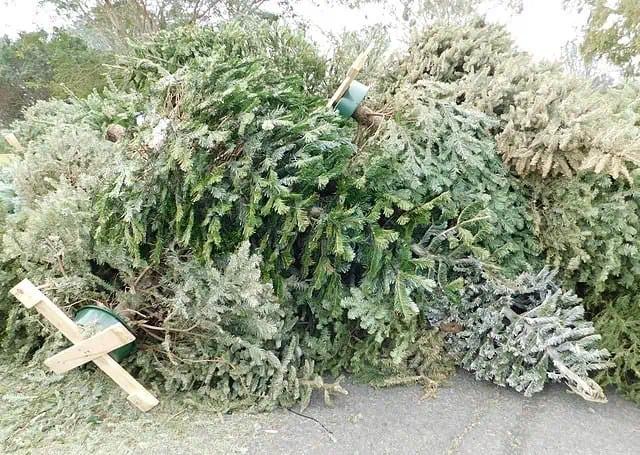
39, 415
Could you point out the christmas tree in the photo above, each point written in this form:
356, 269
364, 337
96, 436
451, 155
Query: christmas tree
256, 241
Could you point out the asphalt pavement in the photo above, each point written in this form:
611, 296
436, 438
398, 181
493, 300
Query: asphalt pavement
465, 417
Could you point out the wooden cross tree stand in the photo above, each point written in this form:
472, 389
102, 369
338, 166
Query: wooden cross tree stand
95, 349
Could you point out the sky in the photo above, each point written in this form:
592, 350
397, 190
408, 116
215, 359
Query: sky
24, 15
542, 28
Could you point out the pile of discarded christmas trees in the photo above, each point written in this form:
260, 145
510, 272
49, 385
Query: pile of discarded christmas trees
257, 242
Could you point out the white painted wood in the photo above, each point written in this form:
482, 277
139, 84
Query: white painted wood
12, 140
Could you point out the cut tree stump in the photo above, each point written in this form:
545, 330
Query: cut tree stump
115, 132
367, 117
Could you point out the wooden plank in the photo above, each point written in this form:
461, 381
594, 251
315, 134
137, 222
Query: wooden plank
353, 71
27, 293
342, 89
89, 349
30, 296
145, 400
12, 140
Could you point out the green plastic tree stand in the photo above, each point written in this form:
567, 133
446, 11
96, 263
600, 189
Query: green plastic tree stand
101, 318
352, 99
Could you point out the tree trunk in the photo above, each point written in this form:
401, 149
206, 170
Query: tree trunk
367, 117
